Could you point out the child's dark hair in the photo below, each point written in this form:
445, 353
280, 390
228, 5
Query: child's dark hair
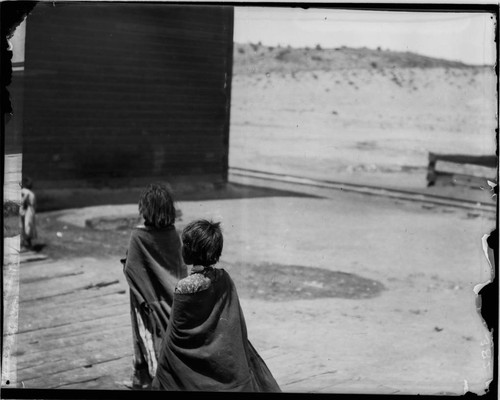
156, 206
202, 243
27, 183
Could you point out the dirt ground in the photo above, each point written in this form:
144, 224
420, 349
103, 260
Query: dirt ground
364, 126
362, 294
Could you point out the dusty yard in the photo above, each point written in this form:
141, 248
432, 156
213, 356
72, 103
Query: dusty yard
342, 293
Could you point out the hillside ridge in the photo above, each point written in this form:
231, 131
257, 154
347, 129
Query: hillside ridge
253, 58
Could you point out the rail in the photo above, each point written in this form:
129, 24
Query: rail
399, 194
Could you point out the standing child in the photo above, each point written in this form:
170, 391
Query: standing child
152, 267
27, 214
206, 346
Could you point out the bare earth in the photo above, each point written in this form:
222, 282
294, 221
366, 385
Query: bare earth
417, 332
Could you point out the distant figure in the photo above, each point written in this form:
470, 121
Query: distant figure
206, 346
27, 212
153, 266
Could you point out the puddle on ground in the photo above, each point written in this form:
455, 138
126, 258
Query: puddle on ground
276, 282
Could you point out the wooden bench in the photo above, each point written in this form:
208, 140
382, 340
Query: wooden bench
461, 170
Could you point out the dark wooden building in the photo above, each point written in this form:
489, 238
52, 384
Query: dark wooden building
122, 94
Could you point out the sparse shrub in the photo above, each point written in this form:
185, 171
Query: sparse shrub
255, 47
396, 80
318, 47
315, 76
316, 58
379, 48
374, 64
271, 48
241, 50
281, 55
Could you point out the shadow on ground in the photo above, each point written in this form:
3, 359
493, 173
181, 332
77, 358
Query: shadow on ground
277, 282
51, 200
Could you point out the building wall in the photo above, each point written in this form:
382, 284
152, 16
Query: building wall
123, 94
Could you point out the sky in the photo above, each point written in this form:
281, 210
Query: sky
466, 37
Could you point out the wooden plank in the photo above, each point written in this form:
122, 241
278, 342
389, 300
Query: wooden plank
54, 281
207, 169
31, 256
56, 266
490, 161
156, 133
83, 300
165, 123
71, 288
31, 351
33, 346
181, 110
84, 92
176, 102
61, 312
120, 84
101, 376
85, 324
10, 309
82, 355
104, 56
89, 291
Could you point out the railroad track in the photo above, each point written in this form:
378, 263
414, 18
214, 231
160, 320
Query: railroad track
249, 175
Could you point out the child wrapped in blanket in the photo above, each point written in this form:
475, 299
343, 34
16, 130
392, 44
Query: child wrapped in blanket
206, 346
27, 212
153, 266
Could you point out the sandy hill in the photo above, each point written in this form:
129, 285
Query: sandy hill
360, 115
255, 58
